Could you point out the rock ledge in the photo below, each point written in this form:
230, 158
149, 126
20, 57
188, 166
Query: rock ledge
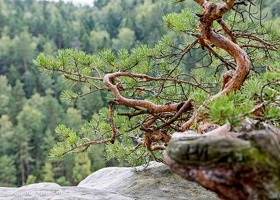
122, 183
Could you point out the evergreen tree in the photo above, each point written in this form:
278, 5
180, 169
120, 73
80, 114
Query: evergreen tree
47, 144
5, 95
89, 104
73, 118
125, 39
49, 175
18, 100
5, 51
29, 138
30, 180
99, 40
24, 47
6, 135
151, 96
53, 112
81, 167
23, 158
7, 171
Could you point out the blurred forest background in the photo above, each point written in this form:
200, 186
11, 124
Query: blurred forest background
30, 106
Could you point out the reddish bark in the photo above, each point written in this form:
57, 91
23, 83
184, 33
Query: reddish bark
239, 166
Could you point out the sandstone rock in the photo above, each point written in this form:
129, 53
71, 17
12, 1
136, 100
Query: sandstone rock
125, 183
154, 182
52, 191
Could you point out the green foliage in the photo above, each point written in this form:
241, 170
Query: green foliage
199, 96
66, 135
180, 22
99, 39
68, 96
70, 140
6, 134
229, 109
125, 40
122, 151
262, 89
29, 28
30, 180
63, 181
7, 171
159, 62
81, 167
49, 175
5, 95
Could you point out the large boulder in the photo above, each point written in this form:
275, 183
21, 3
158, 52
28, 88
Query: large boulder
122, 183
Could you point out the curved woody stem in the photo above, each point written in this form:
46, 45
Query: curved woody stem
213, 12
233, 79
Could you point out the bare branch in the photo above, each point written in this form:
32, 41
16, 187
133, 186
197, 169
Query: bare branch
120, 100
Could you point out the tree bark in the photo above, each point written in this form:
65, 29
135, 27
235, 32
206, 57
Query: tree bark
22, 166
237, 166
214, 12
232, 80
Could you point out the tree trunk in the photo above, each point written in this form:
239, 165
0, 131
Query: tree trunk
22, 170
236, 166
214, 12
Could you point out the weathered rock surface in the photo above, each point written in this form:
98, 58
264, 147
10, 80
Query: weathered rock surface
154, 182
237, 166
52, 191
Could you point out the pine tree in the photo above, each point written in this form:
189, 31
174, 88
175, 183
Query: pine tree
5, 95
7, 171
151, 96
81, 167
48, 173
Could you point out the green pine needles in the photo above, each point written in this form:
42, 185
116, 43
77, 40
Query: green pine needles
173, 86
